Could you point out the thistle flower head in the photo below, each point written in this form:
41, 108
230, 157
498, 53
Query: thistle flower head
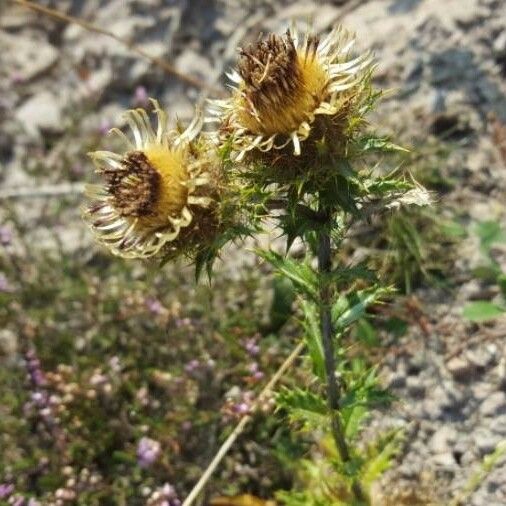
153, 191
283, 83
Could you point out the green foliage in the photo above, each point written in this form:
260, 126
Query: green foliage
318, 197
313, 338
301, 275
489, 233
282, 303
482, 310
303, 406
349, 308
121, 338
372, 143
362, 393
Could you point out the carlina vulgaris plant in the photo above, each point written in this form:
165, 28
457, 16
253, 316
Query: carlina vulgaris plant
291, 146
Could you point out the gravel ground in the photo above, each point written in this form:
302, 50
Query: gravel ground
62, 86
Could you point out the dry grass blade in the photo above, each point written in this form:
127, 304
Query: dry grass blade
159, 62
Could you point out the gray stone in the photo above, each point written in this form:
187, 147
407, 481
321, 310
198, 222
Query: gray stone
396, 380
444, 459
415, 386
192, 63
499, 45
432, 409
26, 58
41, 112
480, 357
494, 405
468, 458
499, 425
482, 390
443, 439
485, 440
461, 369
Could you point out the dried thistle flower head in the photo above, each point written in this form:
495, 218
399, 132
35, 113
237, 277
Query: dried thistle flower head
283, 83
154, 193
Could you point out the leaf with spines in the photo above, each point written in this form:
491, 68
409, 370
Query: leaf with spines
303, 277
379, 456
303, 406
371, 143
313, 338
350, 307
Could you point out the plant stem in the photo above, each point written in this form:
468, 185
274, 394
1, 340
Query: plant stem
328, 334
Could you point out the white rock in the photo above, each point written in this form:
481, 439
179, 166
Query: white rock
25, 57
494, 405
41, 112
444, 459
460, 368
415, 386
443, 439
485, 440
193, 63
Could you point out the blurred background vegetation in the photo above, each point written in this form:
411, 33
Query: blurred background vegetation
118, 380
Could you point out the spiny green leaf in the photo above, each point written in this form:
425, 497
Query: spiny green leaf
371, 143
302, 275
387, 185
313, 338
303, 406
380, 456
349, 308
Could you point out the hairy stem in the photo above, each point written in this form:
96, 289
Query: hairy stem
328, 334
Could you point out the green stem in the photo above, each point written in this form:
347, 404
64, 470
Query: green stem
328, 334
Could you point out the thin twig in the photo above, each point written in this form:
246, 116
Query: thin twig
160, 62
241, 425
42, 191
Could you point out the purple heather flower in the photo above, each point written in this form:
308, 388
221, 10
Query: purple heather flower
17, 78
18, 501
6, 490
252, 347
192, 366
115, 363
165, 496
77, 169
33, 502
5, 236
5, 286
148, 451
183, 322
258, 375
154, 305
105, 126
241, 408
34, 370
140, 97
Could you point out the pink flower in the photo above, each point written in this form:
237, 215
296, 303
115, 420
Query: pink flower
148, 451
